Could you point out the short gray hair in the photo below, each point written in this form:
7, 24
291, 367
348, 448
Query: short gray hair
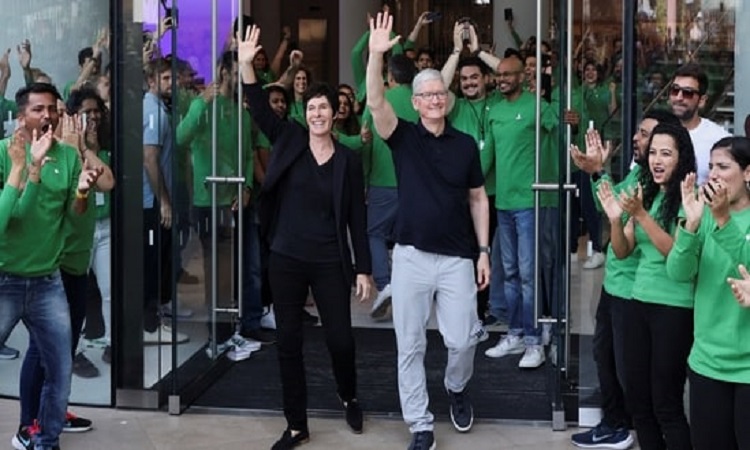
423, 77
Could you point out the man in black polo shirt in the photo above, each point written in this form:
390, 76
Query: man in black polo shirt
442, 220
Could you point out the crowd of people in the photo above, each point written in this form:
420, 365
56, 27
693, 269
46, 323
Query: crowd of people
414, 188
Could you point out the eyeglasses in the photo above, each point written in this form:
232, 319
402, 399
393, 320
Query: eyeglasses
440, 95
687, 93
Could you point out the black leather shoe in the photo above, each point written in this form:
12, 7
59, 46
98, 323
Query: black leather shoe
289, 440
354, 415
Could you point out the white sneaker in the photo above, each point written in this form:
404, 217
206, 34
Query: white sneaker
220, 348
508, 345
242, 348
163, 336
546, 333
532, 358
479, 333
100, 342
382, 302
595, 261
268, 320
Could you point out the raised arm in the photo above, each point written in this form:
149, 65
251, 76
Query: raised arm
448, 72
268, 122
423, 20
281, 51
383, 116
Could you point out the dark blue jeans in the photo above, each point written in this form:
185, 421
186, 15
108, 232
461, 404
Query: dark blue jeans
516, 228
382, 203
41, 304
32, 372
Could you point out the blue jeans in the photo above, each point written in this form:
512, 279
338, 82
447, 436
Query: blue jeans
41, 304
585, 207
516, 229
32, 372
382, 203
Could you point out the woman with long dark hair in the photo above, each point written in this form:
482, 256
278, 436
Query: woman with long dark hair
708, 247
658, 320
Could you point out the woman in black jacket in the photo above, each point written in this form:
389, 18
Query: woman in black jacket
311, 201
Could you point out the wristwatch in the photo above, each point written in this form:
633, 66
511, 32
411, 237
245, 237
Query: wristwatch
485, 249
596, 176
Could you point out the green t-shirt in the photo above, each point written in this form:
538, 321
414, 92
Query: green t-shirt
512, 140
597, 100
619, 274
297, 112
651, 283
31, 244
265, 76
378, 162
195, 130
472, 118
721, 343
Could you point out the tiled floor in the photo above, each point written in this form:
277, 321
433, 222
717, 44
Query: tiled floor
147, 430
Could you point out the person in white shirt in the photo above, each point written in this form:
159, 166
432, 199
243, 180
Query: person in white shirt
687, 96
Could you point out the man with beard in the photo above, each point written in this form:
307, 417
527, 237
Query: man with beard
470, 114
195, 130
619, 274
687, 96
512, 135
31, 288
158, 154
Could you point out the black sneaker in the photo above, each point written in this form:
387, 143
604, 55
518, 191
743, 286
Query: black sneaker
265, 337
422, 440
83, 367
24, 437
354, 415
288, 441
462, 414
75, 424
107, 355
489, 320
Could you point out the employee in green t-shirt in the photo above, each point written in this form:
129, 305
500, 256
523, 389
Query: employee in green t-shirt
195, 129
30, 249
382, 193
708, 247
470, 114
617, 288
659, 318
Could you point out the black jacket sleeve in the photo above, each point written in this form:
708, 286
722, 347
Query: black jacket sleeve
358, 215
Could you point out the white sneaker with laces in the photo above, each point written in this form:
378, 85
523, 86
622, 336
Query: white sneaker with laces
508, 345
479, 333
381, 303
163, 336
532, 358
268, 320
242, 347
595, 261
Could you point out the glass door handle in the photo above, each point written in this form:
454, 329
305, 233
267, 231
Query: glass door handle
224, 180
547, 187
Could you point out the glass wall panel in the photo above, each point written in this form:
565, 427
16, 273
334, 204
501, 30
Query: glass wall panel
65, 43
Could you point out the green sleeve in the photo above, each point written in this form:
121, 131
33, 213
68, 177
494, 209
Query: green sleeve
397, 49
28, 199
516, 38
8, 199
409, 45
353, 141
733, 241
190, 124
682, 261
359, 69
550, 115
261, 141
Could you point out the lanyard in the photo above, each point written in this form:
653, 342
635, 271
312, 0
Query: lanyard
480, 119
